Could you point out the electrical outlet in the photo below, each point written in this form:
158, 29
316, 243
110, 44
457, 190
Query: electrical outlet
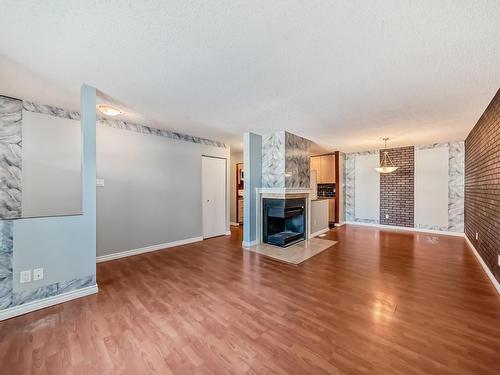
38, 274
99, 182
477, 236
25, 276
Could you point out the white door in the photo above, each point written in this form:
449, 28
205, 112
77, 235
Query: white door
213, 185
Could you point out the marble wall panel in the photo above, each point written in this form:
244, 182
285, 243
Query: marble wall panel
343, 176
349, 171
10, 157
19, 298
350, 184
456, 181
297, 163
456, 174
456, 187
118, 124
273, 160
6, 254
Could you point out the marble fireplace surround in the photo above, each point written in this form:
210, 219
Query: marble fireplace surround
282, 193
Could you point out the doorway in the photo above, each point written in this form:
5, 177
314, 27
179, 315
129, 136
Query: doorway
214, 202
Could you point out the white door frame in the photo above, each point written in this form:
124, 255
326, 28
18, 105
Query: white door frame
225, 195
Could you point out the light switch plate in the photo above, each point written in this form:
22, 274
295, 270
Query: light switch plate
99, 182
25, 276
38, 274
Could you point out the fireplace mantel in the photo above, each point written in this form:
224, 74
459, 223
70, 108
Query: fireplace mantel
268, 190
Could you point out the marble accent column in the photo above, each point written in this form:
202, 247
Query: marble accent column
343, 184
456, 186
285, 161
350, 169
273, 160
10, 157
297, 163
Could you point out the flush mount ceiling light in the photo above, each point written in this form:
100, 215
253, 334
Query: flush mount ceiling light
108, 110
386, 165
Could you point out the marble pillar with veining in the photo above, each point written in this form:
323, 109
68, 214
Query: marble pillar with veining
349, 167
343, 177
10, 157
297, 161
285, 161
273, 160
456, 186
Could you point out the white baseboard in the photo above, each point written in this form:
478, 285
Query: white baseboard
234, 224
250, 243
485, 267
321, 231
47, 302
228, 233
147, 249
393, 227
340, 224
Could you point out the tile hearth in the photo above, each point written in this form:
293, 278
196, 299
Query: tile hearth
295, 254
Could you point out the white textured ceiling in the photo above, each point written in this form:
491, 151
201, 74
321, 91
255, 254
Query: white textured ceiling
341, 73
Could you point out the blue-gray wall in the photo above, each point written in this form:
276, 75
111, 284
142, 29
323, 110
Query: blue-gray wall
252, 159
152, 189
64, 246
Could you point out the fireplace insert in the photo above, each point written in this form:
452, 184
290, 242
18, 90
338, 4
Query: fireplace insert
284, 221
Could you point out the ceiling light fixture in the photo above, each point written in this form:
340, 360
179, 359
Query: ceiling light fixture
386, 165
108, 110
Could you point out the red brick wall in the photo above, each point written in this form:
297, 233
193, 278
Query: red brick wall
482, 185
397, 189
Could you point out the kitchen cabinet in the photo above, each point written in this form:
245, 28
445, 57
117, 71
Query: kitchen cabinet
324, 166
331, 210
327, 165
316, 166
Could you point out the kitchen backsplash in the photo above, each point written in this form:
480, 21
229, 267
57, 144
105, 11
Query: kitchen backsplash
326, 190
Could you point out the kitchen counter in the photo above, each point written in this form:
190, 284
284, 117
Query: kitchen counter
319, 216
331, 207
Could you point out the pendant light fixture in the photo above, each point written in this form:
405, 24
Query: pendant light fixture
386, 165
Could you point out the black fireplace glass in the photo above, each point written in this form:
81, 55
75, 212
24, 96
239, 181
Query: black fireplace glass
284, 221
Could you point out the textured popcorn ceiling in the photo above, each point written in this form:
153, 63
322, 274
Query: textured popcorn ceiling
341, 73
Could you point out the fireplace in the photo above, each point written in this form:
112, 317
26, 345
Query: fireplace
283, 221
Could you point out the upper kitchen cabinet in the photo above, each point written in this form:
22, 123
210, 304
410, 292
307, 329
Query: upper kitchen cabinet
327, 163
324, 166
316, 166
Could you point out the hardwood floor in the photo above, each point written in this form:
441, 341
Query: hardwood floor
378, 302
